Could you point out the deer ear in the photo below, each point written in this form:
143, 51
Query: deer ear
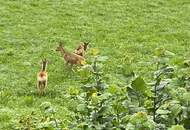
86, 43
46, 60
43, 60
40, 63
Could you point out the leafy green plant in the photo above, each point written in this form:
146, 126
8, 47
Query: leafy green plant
177, 127
28, 100
140, 121
106, 106
46, 120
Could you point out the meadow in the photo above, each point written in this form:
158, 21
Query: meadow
129, 33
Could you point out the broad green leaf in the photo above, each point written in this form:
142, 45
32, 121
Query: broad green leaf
102, 58
73, 90
81, 107
139, 85
130, 126
165, 70
105, 96
177, 127
175, 109
139, 118
163, 112
148, 104
119, 107
186, 96
159, 52
126, 118
113, 89
169, 53
28, 100
95, 98
94, 52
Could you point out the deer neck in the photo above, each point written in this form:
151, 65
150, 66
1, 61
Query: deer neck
62, 51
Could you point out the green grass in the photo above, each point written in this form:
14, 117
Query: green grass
127, 31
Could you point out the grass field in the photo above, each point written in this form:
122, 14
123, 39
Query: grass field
127, 31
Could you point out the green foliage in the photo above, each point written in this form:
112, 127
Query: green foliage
28, 100
177, 127
141, 121
139, 85
45, 121
134, 105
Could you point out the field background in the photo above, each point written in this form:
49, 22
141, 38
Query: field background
127, 31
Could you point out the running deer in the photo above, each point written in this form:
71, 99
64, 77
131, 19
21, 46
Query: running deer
42, 78
71, 58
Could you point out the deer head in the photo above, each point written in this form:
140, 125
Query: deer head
60, 48
86, 45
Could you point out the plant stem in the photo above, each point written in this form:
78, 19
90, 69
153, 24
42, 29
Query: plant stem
155, 93
154, 111
97, 75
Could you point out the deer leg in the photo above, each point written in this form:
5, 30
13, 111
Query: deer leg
67, 63
44, 86
46, 83
38, 87
41, 88
72, 68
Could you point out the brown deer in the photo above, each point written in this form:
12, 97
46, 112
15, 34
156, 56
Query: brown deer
81, 49
71, 58
42, 77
